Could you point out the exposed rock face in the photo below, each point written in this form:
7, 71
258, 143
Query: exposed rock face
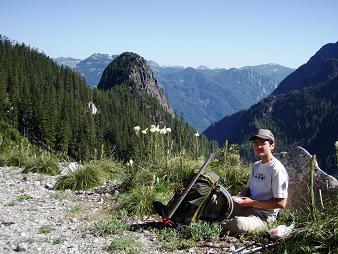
297, 164
131, 69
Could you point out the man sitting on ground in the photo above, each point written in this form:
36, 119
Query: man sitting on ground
266, 191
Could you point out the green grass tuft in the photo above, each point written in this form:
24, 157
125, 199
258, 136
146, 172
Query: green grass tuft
126, 244
109, 227
204, 231
23, 197
172, 240
138, 201
84, 178
319, 235
44, 164
46, 229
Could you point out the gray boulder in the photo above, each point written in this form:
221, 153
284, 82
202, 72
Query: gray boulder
297, 163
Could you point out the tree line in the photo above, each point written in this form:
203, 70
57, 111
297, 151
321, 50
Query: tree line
48, 104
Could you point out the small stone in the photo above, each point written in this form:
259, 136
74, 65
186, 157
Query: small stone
20, 247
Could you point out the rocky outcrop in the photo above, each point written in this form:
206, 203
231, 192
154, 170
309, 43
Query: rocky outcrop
297, 163
131, 69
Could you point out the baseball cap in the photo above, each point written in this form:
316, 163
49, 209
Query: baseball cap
264, 134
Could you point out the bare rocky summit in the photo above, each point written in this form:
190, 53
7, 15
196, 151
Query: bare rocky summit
132, 70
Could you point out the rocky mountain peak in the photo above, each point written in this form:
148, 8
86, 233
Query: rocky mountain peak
132, 70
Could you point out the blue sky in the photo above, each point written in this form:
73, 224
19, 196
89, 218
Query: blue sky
215, 33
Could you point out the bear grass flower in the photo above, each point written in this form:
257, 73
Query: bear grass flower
130, 163
137, 129
154, 128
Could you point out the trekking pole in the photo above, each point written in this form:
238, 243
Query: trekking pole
257, 248
179, 201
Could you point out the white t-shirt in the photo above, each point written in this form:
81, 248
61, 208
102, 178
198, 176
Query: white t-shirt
268, 180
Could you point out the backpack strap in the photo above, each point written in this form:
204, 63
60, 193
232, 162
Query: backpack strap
213, 179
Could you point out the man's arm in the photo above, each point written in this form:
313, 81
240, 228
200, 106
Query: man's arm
245, 192
266, 204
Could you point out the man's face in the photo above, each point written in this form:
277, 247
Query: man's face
262, 147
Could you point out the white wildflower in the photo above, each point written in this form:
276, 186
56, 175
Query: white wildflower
336, 144
131, 162
128, 164
92, 108
137, 129
153, 129
168, 130
163, 131
197, 134
145, 131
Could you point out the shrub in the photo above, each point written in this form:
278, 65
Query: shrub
204, 231
45, 164
109, 227
138, 201
14, 149
46, 229
59, 196
318, 235
172, 239
126, 244
16, 156
82, 179
57, 241
23, 197
77, 208
112, 169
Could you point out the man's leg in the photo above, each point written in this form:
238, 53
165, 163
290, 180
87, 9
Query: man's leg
243, 220
242, 224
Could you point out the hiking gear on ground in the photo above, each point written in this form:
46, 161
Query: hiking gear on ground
203, 198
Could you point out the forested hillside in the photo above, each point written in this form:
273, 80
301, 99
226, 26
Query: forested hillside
305, 116
50, 105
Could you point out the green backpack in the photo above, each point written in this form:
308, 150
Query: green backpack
207, 200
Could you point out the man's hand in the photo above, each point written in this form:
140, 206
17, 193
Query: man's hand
245, 202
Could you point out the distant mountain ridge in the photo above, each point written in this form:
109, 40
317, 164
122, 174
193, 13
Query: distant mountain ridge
303, 110
67, 61
206, 95
203, 96
93, 66
321, 67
